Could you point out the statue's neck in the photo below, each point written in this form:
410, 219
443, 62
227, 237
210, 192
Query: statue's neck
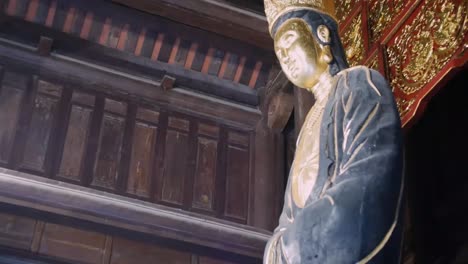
322, 89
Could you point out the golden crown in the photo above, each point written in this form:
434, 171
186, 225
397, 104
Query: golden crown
276, 8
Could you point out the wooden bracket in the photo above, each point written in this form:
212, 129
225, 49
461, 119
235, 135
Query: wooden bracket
167, 82
45, 46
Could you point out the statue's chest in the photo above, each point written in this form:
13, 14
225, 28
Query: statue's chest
305, 168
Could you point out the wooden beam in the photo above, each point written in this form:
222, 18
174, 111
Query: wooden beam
213, 16
115, 82
50, 196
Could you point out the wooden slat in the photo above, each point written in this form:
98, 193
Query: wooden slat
157, 46
240, 69
208, 59
105, 31
86, 29
224, 65
123, 37
32, 10
51, 13
67, 26
191, 55
140, 41
175, 49
255, 74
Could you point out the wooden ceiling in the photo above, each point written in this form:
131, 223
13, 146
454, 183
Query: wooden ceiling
238, 19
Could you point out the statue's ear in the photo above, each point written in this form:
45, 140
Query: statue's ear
323, 34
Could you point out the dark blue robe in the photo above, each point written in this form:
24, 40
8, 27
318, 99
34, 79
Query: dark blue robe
351, 214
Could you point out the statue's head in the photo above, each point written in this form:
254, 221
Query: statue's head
306, 40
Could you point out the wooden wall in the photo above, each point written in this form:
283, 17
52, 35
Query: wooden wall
56, 243
54, 129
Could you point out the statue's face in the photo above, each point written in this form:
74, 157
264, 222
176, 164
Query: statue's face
299, 54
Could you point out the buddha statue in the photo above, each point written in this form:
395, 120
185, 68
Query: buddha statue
345, 187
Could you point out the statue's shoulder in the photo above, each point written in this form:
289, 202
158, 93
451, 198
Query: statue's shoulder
363, 80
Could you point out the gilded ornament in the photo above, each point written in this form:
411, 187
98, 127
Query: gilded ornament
343, 8
354, 42
404, 106
427, 44
381, 13
374, 63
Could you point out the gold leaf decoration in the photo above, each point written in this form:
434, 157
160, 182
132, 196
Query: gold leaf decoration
374, 63
381, 14
354, 42
404, 106
343, 9
426, 44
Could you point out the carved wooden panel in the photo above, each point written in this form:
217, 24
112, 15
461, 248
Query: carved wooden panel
343, 9
205, 168
16, 231
12, 90
44, 112
419, 51
127, 251
422, 42
353, 41
176, 161
382, 14
72, 244
142, 160
76, 137
110, 145
237, 176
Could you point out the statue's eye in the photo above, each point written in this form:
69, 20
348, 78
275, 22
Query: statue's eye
288, 39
